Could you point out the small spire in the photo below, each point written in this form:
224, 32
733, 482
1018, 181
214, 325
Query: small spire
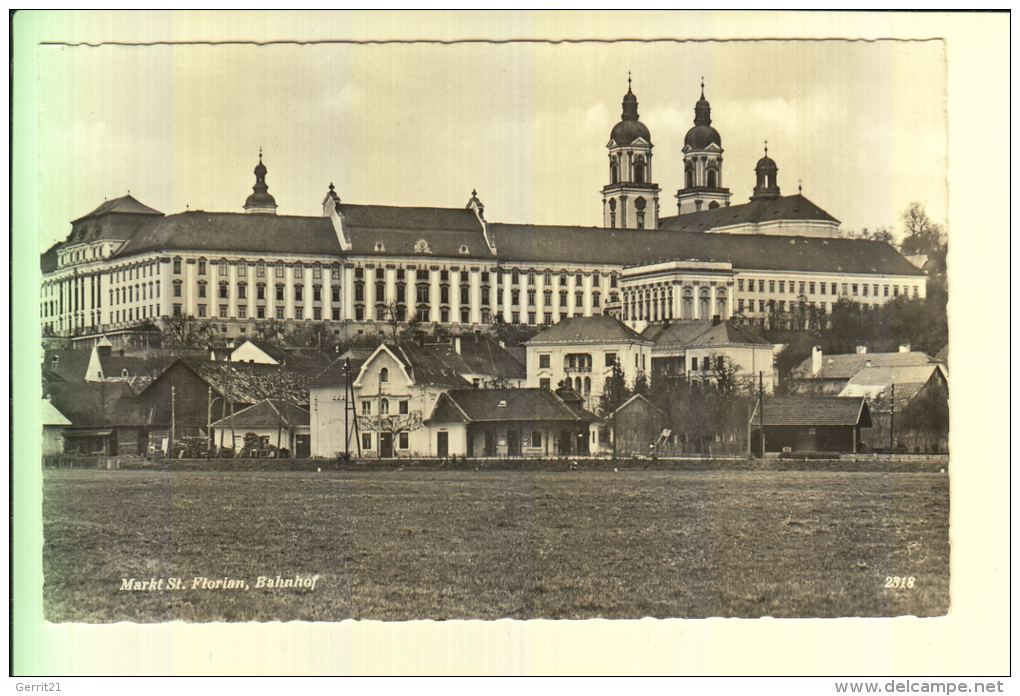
702, 86
260, 153
766, 148
628, 80
800, 188
474, 192
331, 189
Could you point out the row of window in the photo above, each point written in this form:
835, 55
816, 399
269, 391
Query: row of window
384, 404
260, 268
422, 274
202, 312
401, 439
260, 291
808, 288
780, 305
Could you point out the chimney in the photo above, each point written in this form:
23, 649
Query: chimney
904, 347
816, 359
456, 344
861, 350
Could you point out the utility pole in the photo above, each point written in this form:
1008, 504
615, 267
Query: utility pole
892, 415
208, 419
173, 418
761, 410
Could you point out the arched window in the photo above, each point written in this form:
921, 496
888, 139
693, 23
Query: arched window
614, 171
712, 178
587, 386
688, 304
704, 304
690, 178
639, 172
384, 375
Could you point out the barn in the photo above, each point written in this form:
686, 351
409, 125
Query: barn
809, 424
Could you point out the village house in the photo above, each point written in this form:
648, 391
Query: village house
53, 424
583, 351
507, 423
830, 374
810, 424
635, 427
705, 350
270, 428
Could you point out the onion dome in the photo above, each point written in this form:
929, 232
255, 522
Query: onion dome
629, 128
260, 201
702, 135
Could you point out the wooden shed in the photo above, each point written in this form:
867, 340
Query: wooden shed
809, 424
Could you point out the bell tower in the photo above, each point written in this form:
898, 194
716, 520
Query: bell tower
630, 200
703, 187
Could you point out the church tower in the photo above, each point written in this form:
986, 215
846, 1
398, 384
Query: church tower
260, 201
703, 188
630, 200
765, 172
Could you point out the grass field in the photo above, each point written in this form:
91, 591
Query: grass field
402, 545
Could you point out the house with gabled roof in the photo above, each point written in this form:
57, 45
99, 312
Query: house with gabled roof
584, 350
280, 426
507, 423
696, 350
809, 424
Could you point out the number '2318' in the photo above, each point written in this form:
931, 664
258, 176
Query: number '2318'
895, 582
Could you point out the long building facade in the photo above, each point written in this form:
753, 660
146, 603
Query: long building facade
126, 266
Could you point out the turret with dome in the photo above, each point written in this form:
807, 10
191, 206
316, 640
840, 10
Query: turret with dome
630, 200
260, 201
703, 187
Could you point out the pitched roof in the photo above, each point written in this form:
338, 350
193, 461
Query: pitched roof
701, 334
815, 410
595, 329
425, 367
488, 405
97, 404
392, 230
480, 354
596, 245
248, 383
335, 375
124, 204
894, 374
51, 416
236, 232
846, 365
637, 397
795, 207
276, 353
267, 414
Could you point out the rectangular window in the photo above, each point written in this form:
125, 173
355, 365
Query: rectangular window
201, 310
317, 314
366, 408
896, 290
423, 294
465, 316
242, 312
279, 312
853, 289
531, 317
223, 268
223, 290
444, 315
916, 293
242, 292
782, 305
531, 298
563, 298
177, 310
201, 267
740, 285
335, 273
366, 441
242, 268
260, 270
536, 438
177, 265
465, 294
444, 294
740, 305
515, 317
761, 306
610, 359
279, 293
279, 270
811, 288
402, 441
875, 290
864, 289
317, 272
423, 274
177, 289
298, 293
336, 315
772, 286
531, 277
223, 311
844, 290
822, 287
485, 296
260, 292
299, 271
261, 312
833, 288
299, 313
782, 287
335, 294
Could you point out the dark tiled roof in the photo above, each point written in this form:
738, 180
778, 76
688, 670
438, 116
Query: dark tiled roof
815, 410
236, 232
97, 404
846, 365
762, 210
124, 204
478, 405
425, 367
595, 245
485, 355
391, 230
249, 383
335, 375
699, 334
389, 217
596, 329
267, 414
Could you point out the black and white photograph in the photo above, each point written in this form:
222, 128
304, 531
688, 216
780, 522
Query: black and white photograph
403, 331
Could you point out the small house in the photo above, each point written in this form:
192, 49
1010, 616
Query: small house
809, 424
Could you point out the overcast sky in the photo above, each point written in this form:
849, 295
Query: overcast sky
861, 124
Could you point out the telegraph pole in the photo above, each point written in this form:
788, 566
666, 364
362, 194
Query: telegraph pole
761, 410
892, 415
173, 419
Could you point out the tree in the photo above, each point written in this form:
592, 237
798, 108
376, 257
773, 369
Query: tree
614, 391
641, 385
270, 331
187, 333
724, 375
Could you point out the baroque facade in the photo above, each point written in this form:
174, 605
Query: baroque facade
125, 266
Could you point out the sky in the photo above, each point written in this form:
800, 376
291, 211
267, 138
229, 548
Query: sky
861, 126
